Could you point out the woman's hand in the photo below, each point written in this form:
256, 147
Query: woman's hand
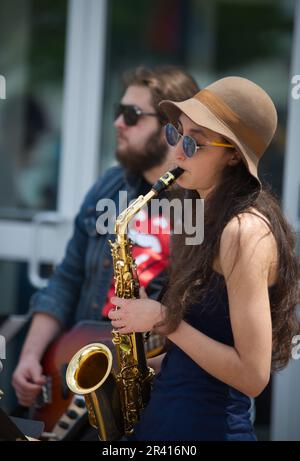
135, 315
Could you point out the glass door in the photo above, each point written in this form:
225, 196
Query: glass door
52, 62
48, 122
32, 57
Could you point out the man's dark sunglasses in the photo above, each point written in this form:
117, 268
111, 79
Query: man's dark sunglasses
131, 113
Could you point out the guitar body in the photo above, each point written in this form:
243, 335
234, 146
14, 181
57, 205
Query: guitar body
57, 399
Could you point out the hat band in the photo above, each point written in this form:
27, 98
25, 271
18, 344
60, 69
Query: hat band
223, 112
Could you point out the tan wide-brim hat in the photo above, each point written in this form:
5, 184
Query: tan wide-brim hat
237, 109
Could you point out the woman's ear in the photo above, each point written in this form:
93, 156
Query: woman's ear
235, 158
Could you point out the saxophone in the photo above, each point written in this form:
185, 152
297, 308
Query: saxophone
115, 397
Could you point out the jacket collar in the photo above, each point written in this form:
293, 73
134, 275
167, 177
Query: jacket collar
136, 183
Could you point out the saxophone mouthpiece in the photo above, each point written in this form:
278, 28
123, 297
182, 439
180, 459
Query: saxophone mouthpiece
167, 179
176, 172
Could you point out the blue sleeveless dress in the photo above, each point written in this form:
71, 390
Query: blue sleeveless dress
187, 403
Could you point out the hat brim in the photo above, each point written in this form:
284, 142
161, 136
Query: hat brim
202, 116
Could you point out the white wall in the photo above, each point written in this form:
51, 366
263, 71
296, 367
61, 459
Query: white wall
286, 384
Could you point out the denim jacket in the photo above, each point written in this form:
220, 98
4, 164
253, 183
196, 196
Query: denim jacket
78, 288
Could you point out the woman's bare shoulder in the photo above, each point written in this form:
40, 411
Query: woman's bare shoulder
250, 223
247, 235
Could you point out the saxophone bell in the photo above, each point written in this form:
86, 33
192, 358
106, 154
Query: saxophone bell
90, 374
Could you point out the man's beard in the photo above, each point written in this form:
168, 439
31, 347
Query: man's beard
153, 154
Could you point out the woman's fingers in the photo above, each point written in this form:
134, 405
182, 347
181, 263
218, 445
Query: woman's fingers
117, 323
120, 302
115, 314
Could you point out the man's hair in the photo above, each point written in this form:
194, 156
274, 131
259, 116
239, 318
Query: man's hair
164, 82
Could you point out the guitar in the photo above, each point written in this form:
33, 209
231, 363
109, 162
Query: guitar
62, 412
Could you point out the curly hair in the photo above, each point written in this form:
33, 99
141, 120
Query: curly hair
238, 192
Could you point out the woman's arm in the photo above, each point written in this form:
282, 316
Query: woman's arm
246, 366
155, 362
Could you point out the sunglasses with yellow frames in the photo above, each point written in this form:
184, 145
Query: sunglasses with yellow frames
189, 144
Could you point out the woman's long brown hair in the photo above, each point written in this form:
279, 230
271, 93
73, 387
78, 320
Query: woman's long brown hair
237, 193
